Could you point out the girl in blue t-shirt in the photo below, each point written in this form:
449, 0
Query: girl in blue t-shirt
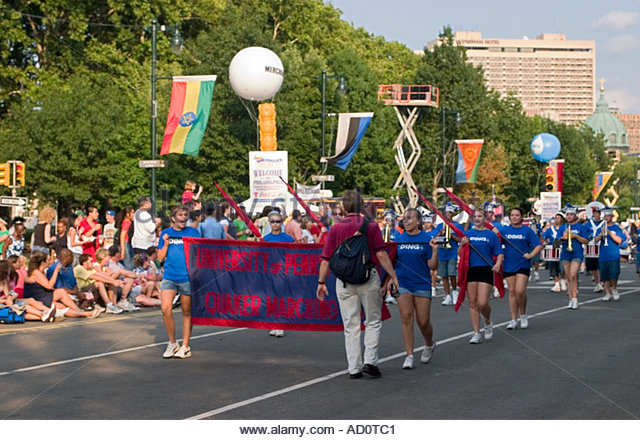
571, 259
480, 274
517, 265
417, 256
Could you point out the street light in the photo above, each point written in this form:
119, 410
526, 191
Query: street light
342, 90
444, 112
176, 47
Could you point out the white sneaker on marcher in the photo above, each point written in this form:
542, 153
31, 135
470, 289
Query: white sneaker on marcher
408, 363
512, 325
607, 297
171, 350
488, 331
279, 333
616, 295
598, 288
563, 285
536, 276
391, 300
427, 353
447, 301
454, 296
183, 352
524, 321
476, 338
570, 306
556, 287
433, 292
574, 303
272, 332
496, 292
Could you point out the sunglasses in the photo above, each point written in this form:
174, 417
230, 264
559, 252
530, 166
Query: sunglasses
275, 221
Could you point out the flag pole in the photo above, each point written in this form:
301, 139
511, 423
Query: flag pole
240, 213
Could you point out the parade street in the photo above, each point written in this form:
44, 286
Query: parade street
569, 364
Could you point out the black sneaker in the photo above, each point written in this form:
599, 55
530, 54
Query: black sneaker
371, 370
357, 375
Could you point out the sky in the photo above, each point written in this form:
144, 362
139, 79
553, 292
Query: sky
613, 24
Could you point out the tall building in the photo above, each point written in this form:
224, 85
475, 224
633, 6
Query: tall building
632, 124
552, 76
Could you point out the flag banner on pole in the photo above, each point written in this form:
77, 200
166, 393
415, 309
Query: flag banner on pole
602, 178
468, 160
188, 114
351, 129
261, 285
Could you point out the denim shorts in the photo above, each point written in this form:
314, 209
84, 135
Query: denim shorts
181, 288
420, 293
135, 291
609, 270
573, 260
448, 268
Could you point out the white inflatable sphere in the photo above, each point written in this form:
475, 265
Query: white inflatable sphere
256, 73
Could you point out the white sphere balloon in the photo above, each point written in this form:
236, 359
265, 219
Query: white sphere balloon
256, 73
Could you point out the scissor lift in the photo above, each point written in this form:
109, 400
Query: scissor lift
407, 101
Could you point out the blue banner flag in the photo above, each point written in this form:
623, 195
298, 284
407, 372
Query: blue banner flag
351, 129
261, 285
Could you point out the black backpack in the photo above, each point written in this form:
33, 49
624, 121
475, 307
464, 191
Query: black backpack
351, 262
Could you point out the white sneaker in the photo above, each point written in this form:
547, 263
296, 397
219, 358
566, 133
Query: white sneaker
536, 276
49, 315
607, 297
524, 321
556, 287
512, 325
391, 300
496, 292
616, 295
563, 285
574, 303
476, 338
272, 332
183, 352
598, 288
447, 301
408, 363
433, 292
113, 309
279, 333
454, 296
427, 353
488, 331
570, 306
125, 305
172, 349
60, 312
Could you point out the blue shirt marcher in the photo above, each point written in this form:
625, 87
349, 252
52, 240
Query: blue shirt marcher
211, 228
577, 229
412, 268
611, 251
487, 243
66, 279
524, 239
279, 238
175, 265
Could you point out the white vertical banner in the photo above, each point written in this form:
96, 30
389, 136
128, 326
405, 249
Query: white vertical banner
551, 204
265, 170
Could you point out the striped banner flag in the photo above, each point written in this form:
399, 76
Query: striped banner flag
188, 114
468, 160
602, 178
351, 129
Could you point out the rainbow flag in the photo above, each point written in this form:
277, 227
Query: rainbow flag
188, 114
468, 160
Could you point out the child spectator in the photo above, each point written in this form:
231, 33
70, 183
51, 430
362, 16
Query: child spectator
91, 280
144, 290
188, 195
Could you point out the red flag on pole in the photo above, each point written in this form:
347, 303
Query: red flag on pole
240, 213
304, 205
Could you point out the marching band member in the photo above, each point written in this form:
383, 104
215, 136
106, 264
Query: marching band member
610, 237
480, 275
573, 236
517, 265
594, 227
551, 236
448, 256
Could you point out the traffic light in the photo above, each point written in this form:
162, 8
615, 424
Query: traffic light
551, 179
268, 140
20, 176
5, 174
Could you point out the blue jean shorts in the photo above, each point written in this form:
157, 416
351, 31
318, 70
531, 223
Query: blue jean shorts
420, 293
573, 260
448, 268
609, 270
181, 288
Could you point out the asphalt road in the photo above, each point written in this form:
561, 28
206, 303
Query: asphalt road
570, 364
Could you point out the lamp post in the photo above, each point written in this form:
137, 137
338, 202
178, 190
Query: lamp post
176, 47
445, 112
342, 90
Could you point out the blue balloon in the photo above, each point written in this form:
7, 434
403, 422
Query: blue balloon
545, 147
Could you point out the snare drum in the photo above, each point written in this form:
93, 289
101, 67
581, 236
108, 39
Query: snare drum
592, 251
549, 253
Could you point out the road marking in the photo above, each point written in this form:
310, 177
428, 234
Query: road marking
112, 353
330, 376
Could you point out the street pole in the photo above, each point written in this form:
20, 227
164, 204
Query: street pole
444, 151
154, 114
324, 114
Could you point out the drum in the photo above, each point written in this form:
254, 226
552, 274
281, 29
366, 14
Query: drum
549, 253
592, 251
